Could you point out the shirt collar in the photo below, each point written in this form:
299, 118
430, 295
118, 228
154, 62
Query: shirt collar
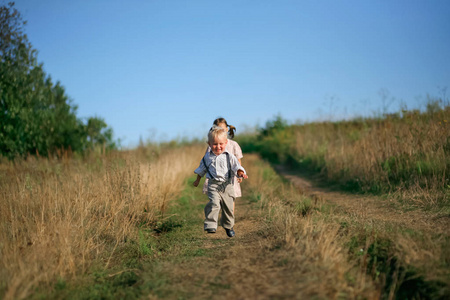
212, 153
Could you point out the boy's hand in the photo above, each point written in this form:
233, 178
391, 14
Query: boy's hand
196, 182
241, 174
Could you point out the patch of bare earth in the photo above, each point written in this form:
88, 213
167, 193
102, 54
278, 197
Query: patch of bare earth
370, 208
243, 267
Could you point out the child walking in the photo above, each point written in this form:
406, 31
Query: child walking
220, 168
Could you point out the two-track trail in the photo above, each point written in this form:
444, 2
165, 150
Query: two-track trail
369, 208
243, 267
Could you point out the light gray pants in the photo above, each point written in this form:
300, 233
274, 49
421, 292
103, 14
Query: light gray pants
221, 195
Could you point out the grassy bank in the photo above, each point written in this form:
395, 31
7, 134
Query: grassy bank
63, 218
406, 154
334, 254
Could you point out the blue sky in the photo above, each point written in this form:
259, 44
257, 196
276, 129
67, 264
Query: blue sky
166, 69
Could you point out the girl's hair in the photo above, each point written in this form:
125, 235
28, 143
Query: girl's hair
231, 128
216, 131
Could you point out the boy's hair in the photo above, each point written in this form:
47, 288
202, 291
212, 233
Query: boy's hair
231, 128
216, 131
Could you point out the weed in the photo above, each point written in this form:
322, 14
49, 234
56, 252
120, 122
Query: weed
60, 284
167, 225
144, 247
255, 197
304, 207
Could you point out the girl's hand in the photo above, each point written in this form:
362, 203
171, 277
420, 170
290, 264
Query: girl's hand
196, 183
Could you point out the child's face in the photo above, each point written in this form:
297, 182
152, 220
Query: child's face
218, 144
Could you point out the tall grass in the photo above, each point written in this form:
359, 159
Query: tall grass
336, 255
59, 217
406, 153
310, 244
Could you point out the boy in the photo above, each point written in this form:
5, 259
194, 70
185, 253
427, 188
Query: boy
220, 168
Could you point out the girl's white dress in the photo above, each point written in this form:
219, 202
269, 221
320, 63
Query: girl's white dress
235, 149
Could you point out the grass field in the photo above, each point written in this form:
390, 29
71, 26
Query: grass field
404, 155
60, 218
129, 224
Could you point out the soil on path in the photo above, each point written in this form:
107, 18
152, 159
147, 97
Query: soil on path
243, 267
369, 208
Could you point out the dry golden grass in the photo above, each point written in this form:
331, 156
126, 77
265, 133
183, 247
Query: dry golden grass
407, 155
60, 216
316, 254
334, 254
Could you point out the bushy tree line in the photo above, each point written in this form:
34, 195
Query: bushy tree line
36, 115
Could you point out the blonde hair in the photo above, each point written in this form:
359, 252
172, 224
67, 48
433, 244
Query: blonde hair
231, 128
216, 131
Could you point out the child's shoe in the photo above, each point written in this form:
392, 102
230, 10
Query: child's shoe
210, 230
230, 232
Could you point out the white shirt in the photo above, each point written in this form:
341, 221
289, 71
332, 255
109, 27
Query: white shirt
218, 166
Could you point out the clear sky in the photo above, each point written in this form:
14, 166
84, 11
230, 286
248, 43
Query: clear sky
164, 69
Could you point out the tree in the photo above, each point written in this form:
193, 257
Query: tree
36, 116
277, 124
98, 133
11, 30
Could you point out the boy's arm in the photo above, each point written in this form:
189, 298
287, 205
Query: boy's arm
239, 178
197, 181
200, 171
237, 168
241, 174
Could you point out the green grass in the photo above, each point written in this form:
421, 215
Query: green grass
377, 256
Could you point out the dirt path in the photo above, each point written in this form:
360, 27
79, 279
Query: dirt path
244, 267
370, 208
